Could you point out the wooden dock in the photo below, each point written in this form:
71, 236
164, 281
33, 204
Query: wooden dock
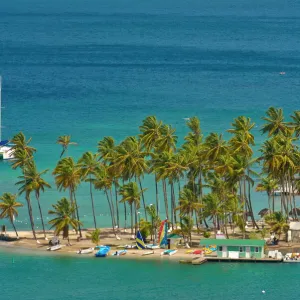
244, 260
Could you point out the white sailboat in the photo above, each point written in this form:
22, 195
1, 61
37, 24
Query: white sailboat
5, 149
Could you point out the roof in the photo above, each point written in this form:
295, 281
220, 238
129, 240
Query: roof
174, 236
295, 225
233, 242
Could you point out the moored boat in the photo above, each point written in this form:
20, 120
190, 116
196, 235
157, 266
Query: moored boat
85, 251
103, 251
292, 258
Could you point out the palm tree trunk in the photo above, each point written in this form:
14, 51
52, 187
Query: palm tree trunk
77, 213
31, 216
131, 214
156, 194
143, 198
135, 218
110, 209
92, 199
125, 216
117, 206
41, 215
250, 205
174, 202
172, 210
13, 224
166, 199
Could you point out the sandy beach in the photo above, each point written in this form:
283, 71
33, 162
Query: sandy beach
26, 244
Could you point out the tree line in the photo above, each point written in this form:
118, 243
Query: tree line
206, 180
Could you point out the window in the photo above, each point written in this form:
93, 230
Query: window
256, 249
220, 248
241, 249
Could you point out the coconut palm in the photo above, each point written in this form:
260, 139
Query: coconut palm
269, 185
94, 236
278, 224
67, 177
65, 142
295, 123
132, 195
8, 208
89, 166
32, 181
64, 210
188, 203
19, 142
103, 181
274, 122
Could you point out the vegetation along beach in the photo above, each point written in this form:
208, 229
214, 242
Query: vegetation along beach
149, 150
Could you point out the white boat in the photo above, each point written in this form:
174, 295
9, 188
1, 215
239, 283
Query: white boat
292, 258
168, 252
54, 248
148, 253
152, 246
6, 151
85, 251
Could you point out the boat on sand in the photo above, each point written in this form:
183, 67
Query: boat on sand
54, 248
148, 253
103, 251
119, 253
85, 251
292, 258
168, 252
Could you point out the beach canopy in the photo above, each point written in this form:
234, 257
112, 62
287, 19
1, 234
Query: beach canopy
264, 212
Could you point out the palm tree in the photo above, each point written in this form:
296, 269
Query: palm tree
295, 122
103, 181
268, 184
67, 176
188, 203
278, 224
89, 165
23, 155
274, 122
132, 195
32, 181
64, 211
65, 142
8, 207
94, 236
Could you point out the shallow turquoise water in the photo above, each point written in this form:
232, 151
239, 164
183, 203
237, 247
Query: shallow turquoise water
94, 68
50, 277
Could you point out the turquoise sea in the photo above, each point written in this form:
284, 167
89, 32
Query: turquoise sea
95, 68
50, 277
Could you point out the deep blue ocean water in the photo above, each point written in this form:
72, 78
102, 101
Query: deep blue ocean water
97, 68
50, 277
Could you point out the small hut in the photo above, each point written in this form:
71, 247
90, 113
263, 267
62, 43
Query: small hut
173, 240
294, 232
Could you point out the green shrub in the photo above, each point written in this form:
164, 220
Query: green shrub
206, 234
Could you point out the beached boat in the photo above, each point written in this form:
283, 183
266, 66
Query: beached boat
119, 253
152, 246
148, 253
103, 251
169, 252
85, 251
292, 258
54, 248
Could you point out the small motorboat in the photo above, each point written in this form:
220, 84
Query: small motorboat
169, 252
85, 251
103, 251
54, 248
148, 253
119, 253
292, 258
130, 246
